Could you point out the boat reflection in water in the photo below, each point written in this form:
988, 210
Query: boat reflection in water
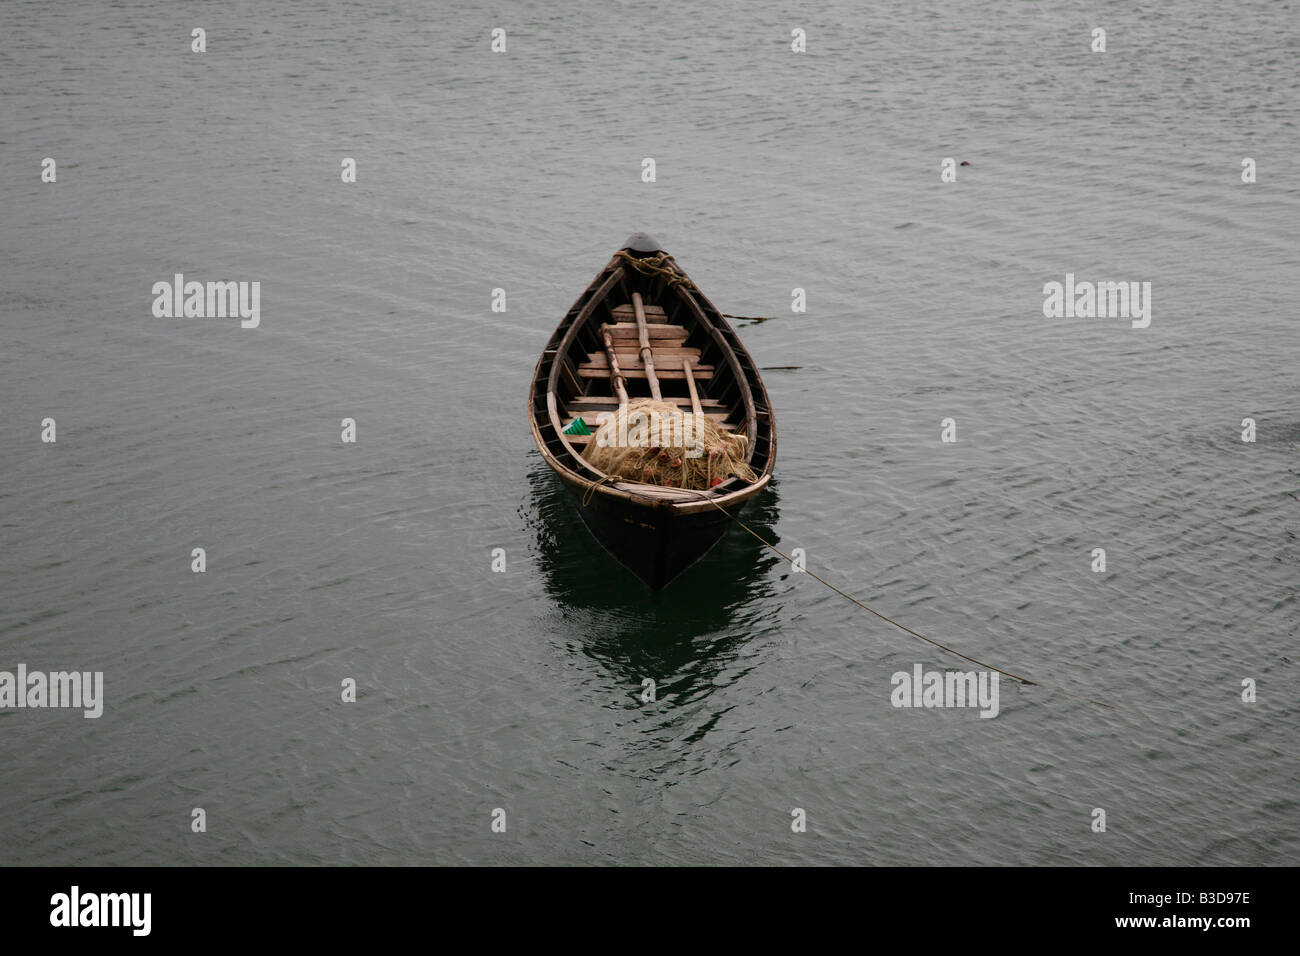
688, 638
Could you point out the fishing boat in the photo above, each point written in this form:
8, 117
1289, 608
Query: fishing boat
642, 329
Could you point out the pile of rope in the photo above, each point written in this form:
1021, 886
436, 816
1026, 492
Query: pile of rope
660, 265
658, 444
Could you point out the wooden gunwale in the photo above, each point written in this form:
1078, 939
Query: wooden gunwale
702, 312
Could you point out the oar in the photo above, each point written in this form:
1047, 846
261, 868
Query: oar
690, 384
615, 373
647, 353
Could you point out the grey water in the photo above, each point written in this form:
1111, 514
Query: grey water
521, 691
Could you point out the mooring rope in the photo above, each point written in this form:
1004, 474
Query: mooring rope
660, 265
903, 627
591, 488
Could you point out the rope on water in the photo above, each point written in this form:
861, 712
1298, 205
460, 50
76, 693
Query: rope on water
903, 627
661, 265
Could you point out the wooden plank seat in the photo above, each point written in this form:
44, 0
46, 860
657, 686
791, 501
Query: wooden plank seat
592, 415
659, 334
597, 366
610, 401
671, 358
667, 375
625, 313
673, 354
673, 337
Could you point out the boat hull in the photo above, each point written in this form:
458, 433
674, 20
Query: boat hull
654, 541
655, 532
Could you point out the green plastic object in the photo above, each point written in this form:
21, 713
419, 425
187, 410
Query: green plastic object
577, 427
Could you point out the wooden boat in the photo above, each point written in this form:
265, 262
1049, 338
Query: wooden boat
642, 328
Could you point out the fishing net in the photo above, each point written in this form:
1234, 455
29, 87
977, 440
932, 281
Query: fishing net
659, 444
